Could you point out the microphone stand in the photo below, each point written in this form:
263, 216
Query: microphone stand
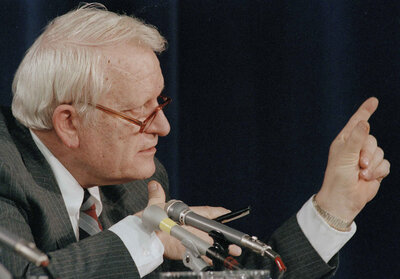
26, 249
218, 253
192, 258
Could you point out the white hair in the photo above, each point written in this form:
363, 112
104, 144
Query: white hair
63, 66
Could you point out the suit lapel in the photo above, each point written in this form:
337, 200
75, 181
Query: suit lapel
54, 202
49, 200
122, 200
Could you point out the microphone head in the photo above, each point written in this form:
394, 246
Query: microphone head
152, 217
174, 208
169, 203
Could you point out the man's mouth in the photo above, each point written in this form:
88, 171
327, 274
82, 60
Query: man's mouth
150, 150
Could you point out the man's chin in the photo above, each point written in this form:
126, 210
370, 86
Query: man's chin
144, 172
139, 172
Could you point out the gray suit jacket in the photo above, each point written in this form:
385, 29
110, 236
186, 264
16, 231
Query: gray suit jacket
31, 207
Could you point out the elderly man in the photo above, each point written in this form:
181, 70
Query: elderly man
88, 100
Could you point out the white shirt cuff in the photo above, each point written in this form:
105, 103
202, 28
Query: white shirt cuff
326, 240
144, 246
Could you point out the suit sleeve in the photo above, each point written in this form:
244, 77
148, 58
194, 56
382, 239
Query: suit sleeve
100, 256
300, 258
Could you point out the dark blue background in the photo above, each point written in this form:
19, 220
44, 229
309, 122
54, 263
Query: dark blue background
260, 90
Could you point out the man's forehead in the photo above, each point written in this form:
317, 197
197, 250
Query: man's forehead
133, 63
133, 70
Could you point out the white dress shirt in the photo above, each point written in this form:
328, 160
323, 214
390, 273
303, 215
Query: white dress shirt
144, 246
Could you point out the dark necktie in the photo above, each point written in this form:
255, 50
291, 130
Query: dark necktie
88, 222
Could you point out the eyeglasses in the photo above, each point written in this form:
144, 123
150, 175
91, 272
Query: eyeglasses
162, 101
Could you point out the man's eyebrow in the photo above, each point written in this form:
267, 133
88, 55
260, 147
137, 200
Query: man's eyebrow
149, 100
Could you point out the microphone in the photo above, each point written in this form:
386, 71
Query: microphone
25, 248
180, 212
154, 218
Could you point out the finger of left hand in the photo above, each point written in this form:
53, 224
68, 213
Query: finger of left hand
362, 114
367, 152
381, 171
377, 168
235, 250
357, 138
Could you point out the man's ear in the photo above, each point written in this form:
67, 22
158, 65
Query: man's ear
65, 120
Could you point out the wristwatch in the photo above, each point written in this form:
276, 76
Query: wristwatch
334, 222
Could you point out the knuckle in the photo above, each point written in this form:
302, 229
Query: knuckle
372, 141
363, 126
370, 145
335, 144
380, 152
384, 169
388, 165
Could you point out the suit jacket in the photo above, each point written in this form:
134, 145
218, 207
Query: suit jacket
32, 207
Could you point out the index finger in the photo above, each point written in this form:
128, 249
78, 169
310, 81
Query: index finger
364, 112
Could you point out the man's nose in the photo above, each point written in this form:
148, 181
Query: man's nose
159, 125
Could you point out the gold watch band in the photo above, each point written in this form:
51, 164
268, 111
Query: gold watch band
334, 222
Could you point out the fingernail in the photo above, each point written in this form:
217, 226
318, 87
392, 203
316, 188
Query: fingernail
365, 161
365, 173
236, 250
152, 186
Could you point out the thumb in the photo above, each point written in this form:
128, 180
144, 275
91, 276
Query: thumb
357, 137
156, 193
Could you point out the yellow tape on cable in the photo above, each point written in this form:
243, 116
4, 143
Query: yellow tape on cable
166, 225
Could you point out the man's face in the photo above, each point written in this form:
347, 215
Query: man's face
113, 149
